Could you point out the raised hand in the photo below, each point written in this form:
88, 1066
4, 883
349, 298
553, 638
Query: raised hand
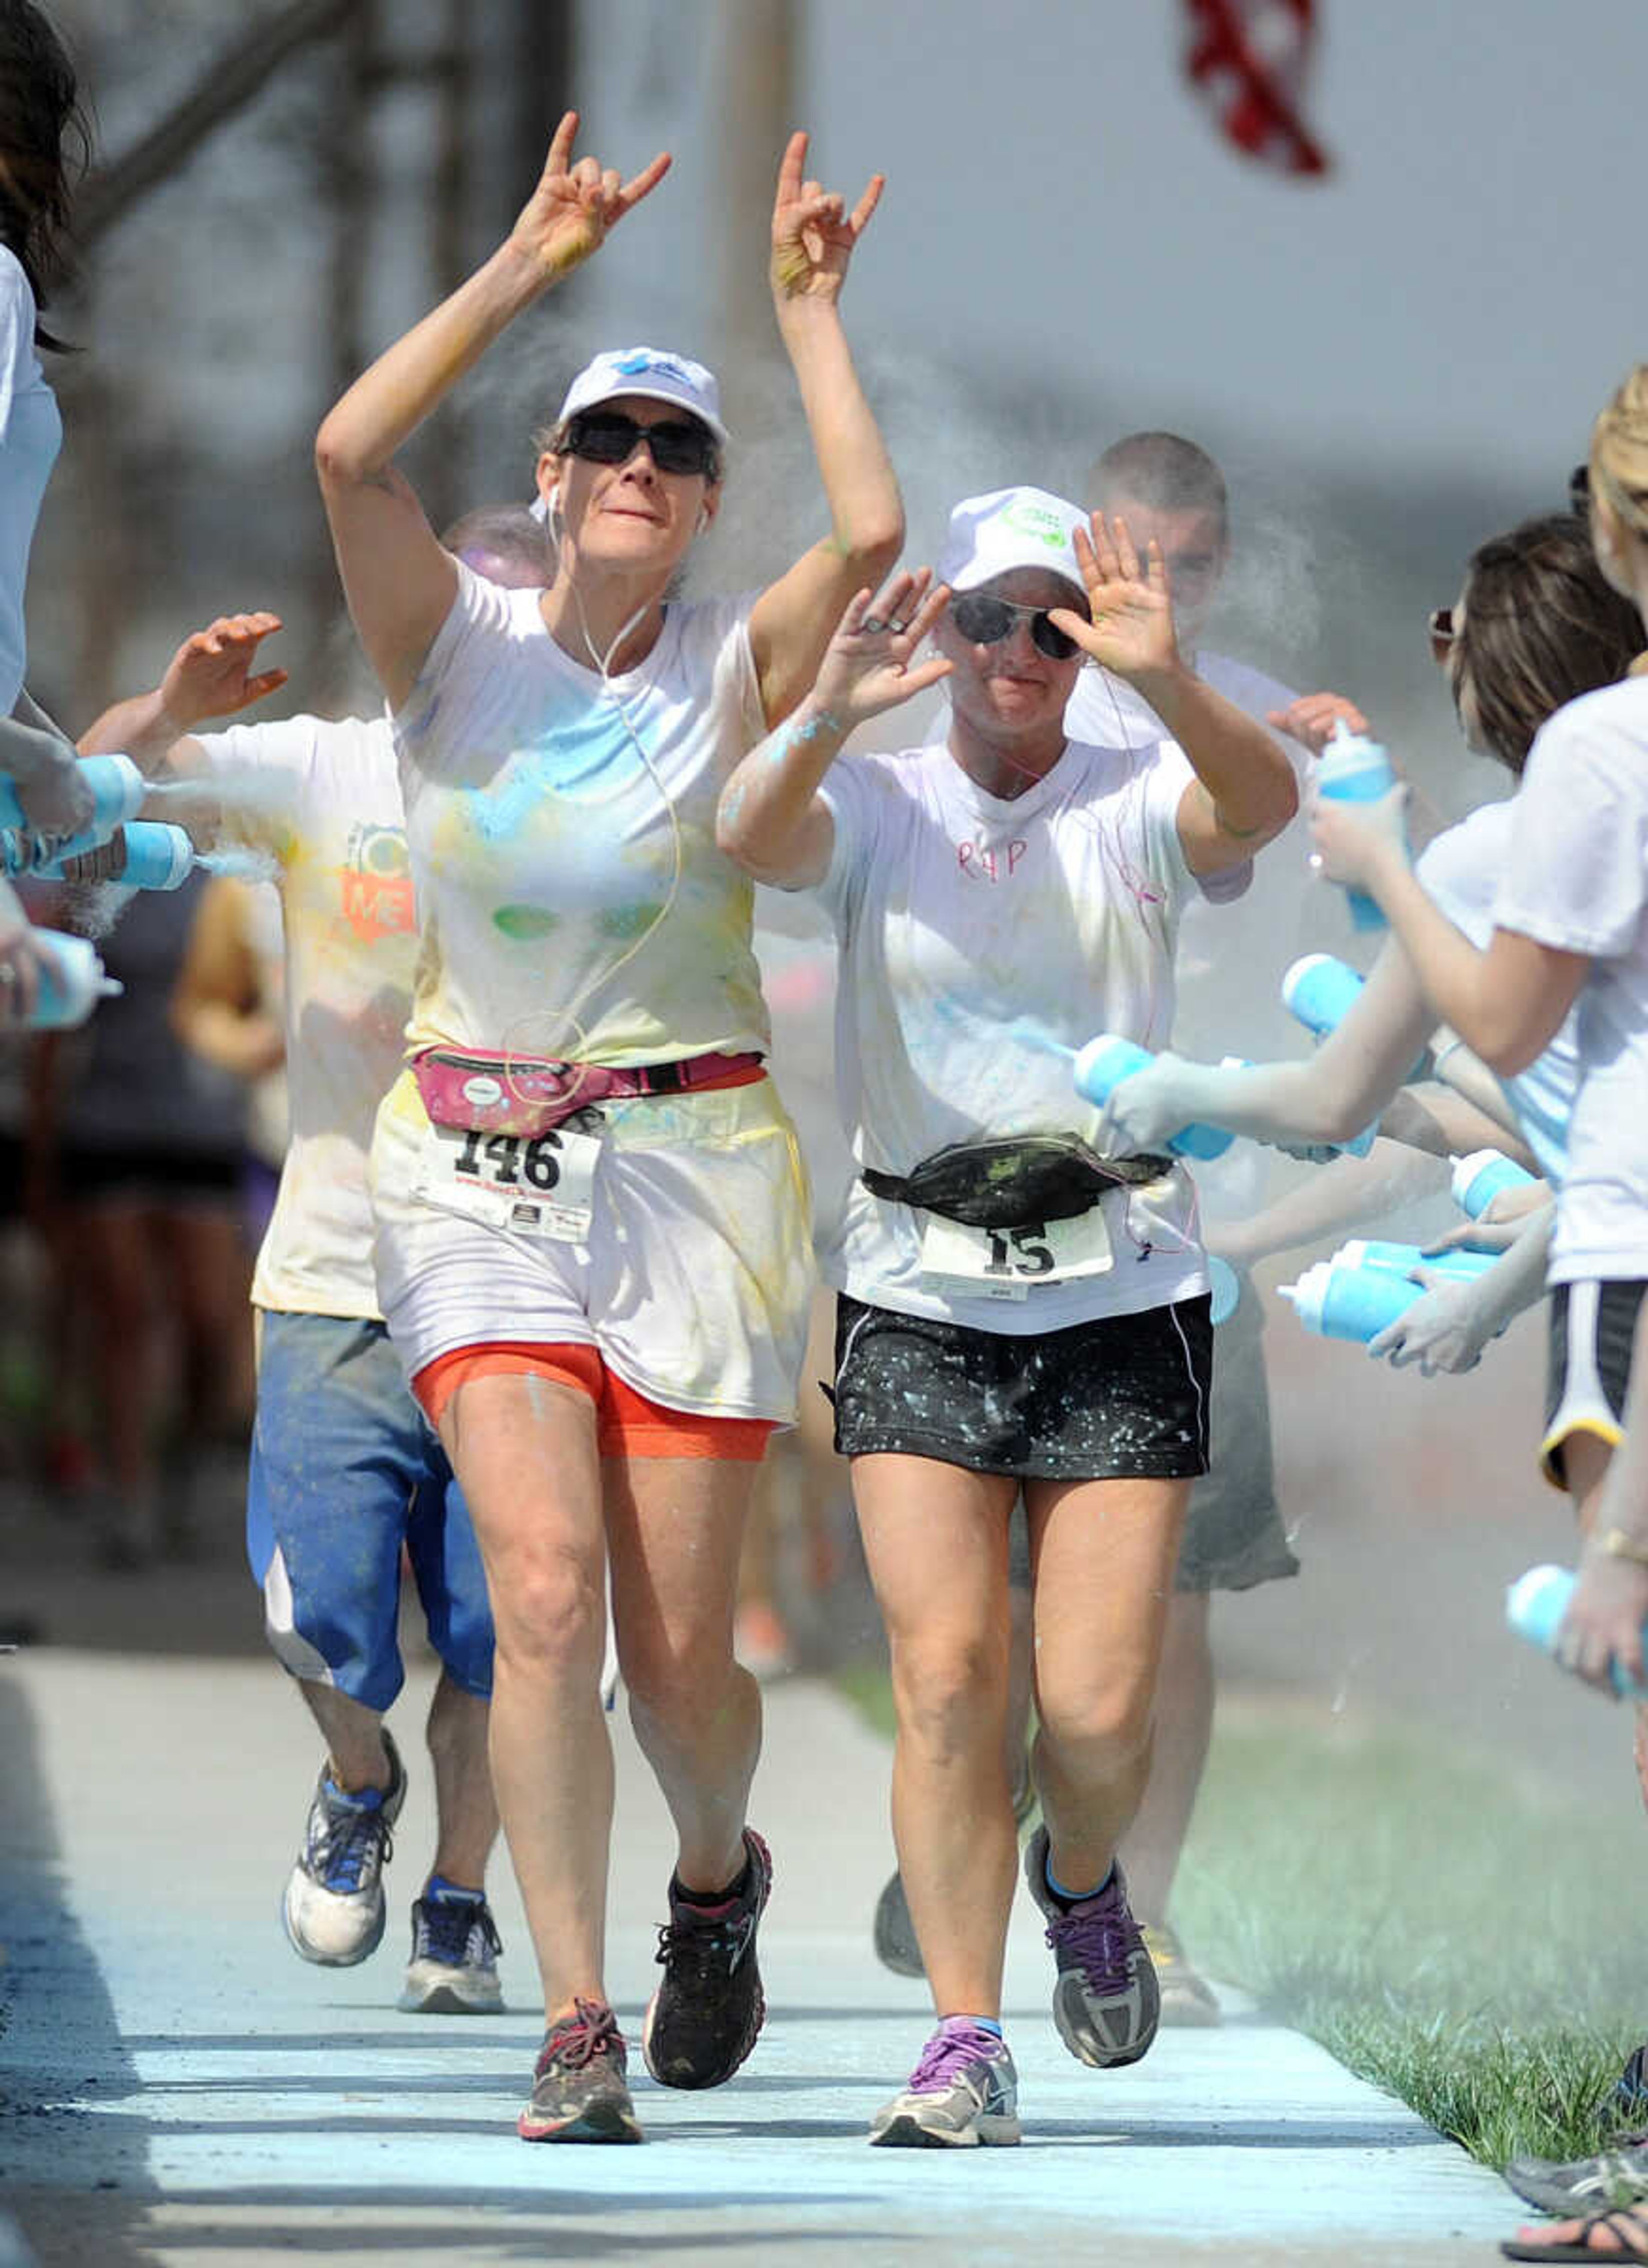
1132, 629
571, 212
211, 674
866, 666
814, 235
1313, 718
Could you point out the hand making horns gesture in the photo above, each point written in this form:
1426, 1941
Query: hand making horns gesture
1132, 627
569, 213
814, 235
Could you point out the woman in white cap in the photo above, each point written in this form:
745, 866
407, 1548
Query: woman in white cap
1011, 1314
592, 1218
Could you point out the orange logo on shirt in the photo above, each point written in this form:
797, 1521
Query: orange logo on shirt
377, 885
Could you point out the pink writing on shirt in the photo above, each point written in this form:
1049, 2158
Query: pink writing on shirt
994, 865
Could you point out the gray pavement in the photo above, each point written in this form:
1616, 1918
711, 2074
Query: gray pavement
183, 2090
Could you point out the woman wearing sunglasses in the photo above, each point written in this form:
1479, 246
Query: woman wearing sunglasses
592, 1218
1012, 1315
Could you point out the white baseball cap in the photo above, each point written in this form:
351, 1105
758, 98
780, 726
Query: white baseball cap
655, 376
991, 535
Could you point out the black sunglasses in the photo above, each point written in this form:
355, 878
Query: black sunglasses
984, 620
678, 445
1579, 490
1442, 632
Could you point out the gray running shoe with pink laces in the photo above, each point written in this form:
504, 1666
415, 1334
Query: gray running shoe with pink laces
579, 2090
1106, 2002
963, 2092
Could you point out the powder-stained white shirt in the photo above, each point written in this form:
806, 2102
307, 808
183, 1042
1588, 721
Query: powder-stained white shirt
972, 932
572, 898
323, 799
1577, 879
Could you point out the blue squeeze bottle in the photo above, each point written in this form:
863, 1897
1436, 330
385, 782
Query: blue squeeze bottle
1102, 1065
1483, 1174
1400, 1259
118, 790
157, 857
1321, 990
1352, 769
1534, 1606
1349, 1303
71, 985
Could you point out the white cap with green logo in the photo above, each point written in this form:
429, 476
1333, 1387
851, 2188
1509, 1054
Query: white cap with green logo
991, 535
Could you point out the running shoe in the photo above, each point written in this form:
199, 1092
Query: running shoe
1187, 1997
892, 1930
453, 1969
579, 2090
333, 1905
1617, 2177
963, 2092
1104, 2002
705, 2015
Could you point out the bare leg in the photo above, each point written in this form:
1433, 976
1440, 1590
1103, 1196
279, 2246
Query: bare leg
676, 1527
1020, 1684
524, 1452
935, 1539
465, 1811
1184, 1730
1103, 1554
1586, 1458
354, 1737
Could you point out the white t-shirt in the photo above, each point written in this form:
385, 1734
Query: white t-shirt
1241, 930
31, 434
1577, 879
973, 932
323, 798
572, 900
1462, 870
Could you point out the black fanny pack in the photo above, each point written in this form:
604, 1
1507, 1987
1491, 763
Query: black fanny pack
1013, 1180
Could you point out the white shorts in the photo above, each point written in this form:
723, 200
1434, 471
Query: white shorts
695, 1283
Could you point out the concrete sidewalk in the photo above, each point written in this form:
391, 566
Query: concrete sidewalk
183, 2089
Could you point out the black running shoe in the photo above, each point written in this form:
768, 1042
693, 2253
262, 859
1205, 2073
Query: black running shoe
705, 2015
579, 2090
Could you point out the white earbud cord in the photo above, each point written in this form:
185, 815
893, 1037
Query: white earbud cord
603, 663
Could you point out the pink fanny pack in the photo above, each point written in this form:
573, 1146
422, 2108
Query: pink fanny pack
530, 1096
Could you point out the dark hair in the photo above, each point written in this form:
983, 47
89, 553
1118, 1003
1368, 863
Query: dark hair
45, 143
509, 531
1162, 470
1542, 626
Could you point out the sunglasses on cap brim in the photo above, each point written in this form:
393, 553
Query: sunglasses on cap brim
606, 437
984, 620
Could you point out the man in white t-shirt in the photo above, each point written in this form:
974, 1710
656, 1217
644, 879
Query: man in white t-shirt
345, 1472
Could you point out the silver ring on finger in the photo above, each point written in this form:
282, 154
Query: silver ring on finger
873, 624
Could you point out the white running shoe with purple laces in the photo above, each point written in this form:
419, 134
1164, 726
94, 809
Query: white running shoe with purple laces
963, 2092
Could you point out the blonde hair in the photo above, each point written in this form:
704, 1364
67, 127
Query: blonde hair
1619, 454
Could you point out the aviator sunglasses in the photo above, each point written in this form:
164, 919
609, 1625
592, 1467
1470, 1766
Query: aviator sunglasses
678, 445
986, 621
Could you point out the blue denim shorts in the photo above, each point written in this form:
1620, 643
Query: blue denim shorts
345, 1471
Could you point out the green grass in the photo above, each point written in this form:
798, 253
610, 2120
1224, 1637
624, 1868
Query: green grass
1468, 1939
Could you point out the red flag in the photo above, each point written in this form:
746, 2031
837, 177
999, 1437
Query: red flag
1250, 59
